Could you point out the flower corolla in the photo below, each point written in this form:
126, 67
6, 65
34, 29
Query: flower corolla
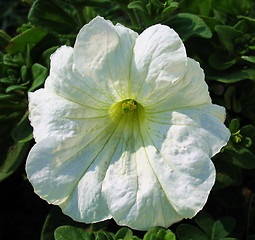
125, 128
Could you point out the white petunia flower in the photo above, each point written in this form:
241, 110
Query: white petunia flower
125, 128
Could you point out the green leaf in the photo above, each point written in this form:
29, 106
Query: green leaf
244, 158
102, 235
124, 233
232, 6
250, 59
205, 221
54, 219
15, 88
72, 233
6, 97
23, 73
223, 227
152, 233
234, 125
228, 239
47, 53
234, 76
188, 232
94, 3
54, 17
167, 11
169, 235
15, 156
4, 39
188, 25
139, 5
39, 74
14, 61
23, 132
227, 175
31, 36
227, 35
197, 6
219, 62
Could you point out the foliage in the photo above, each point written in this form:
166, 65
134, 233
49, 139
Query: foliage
218, 34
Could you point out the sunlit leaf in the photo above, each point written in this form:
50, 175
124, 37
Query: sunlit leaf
72, 233
31, 36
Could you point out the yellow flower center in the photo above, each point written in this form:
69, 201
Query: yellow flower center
128, 109
128, 106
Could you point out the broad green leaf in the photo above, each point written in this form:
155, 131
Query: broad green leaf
232, 6
169, 235
23, 132
211, 22
161, 234
223, 227
15, 156
31, 36
227, 35
188, 232
220, 63
54, 17
124, 233
72, 233
39, 74
188, 25
197, 6
205, 221
152, 233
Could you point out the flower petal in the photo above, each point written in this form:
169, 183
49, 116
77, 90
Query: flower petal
51, 115
159, 60
103, 52
190, 90
186, 141
66, 82
134, 195
169, 167
55, 170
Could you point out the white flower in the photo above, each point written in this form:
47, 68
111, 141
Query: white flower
125, 128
